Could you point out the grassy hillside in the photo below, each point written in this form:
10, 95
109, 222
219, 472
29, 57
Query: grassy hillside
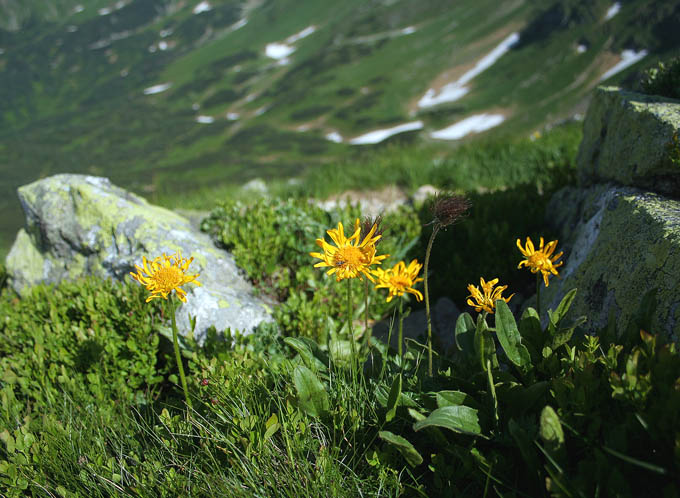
169, 97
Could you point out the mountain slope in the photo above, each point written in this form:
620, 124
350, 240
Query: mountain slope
169, 96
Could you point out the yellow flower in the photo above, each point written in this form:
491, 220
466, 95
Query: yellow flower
487, 297
541, 260
350, 257
400, 279
165, 274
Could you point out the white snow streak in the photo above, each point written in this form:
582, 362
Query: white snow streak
157, 88
334, 136
472, 124
376, 136
613, 10
628, 58
455, 90
204, 6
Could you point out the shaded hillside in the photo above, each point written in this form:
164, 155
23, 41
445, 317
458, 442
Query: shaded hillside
165, 96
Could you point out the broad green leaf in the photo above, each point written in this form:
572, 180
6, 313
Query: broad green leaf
451, 398
557, 316
508, 336
551, 429
462, 419
272, 425
393, 399
312, 395
404, 446
465, 334
304, 349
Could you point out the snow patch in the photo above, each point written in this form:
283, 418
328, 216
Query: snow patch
455, 90
377, 136
233, 116
581, 48
78, 8
628, 58
302, 34
612, 11
163, 45
195, 106
261, 110
204, 6
472, 124
409, 30
334, 136
205, 119
281, 51
2, 51
72, 28
104, 12
157, 88
164, 33
278, 50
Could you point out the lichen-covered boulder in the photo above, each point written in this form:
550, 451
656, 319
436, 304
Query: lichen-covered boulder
626, 139
620, 243
80, 225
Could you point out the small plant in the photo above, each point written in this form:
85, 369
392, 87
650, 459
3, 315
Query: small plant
447, 209
542, 262
663, 80
160, 277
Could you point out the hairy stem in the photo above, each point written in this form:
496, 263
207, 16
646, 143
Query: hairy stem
427, 299
178, 356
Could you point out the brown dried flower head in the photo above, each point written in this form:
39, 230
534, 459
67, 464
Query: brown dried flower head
368, 223
448, 208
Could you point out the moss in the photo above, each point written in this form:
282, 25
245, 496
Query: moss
635, 247
26, 262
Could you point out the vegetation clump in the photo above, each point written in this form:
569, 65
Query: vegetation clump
524, 402
662, 80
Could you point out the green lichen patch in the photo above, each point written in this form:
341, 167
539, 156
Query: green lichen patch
626, 138
635, 247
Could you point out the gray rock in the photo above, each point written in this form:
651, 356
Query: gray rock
625, 140
620, 242
83, 225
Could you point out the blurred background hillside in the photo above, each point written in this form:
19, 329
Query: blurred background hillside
184, 100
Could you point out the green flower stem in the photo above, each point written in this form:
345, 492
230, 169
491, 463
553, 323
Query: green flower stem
349, 326
401, 333
427, 299
367, 331
178, 357
538, 295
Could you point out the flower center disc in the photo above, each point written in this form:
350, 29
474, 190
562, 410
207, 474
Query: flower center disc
168, 278
348, 256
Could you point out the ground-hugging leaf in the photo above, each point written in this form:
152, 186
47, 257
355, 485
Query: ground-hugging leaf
557, 315
465, 334
312, 395
508, 335
450, 398
305, 351
393, 399
462, 419
404, 446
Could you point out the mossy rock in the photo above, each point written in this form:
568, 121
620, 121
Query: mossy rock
627, 139
83, 225
620, 243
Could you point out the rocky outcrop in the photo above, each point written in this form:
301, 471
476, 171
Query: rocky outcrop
626, 137
621, 227
83, 225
